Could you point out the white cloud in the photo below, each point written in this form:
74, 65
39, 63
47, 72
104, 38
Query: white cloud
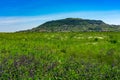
11, 24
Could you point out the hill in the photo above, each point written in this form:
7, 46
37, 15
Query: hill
74, 25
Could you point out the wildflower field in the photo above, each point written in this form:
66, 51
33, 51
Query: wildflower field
60, 56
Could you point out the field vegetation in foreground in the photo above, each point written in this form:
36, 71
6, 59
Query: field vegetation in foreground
60, 56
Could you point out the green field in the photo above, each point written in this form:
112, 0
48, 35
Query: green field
60, 56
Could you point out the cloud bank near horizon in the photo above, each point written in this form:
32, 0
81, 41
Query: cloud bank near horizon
16, 23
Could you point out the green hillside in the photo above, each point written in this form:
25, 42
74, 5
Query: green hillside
75, 25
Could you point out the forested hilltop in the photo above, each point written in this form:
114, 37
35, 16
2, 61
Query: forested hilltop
74, 25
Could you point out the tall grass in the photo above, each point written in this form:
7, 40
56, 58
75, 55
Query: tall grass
60, 56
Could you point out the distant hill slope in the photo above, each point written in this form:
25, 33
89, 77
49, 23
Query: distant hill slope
74, 25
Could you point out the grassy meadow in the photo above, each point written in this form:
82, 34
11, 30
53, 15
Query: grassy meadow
60, 56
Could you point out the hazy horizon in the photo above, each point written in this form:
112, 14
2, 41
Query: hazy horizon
18, 15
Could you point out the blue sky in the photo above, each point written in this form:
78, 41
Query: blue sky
18, 15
